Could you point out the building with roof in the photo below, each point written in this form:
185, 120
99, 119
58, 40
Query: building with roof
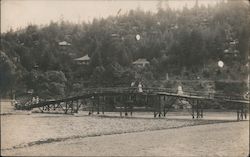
85, 60
141, 62
64, 43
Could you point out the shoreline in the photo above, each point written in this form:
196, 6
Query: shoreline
223, 143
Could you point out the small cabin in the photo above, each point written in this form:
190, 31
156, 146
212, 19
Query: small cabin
85, 60
64, 43
141, 62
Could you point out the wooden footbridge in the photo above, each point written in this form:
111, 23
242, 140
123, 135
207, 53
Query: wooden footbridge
157, 100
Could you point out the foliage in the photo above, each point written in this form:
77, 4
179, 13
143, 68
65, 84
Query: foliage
7, 74
183, 43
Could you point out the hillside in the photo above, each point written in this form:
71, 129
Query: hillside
185, 45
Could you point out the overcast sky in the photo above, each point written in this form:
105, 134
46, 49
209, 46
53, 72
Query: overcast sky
19, 13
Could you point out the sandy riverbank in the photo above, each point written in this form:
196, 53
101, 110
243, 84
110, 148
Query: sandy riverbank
25, 130
25, 133
221, 139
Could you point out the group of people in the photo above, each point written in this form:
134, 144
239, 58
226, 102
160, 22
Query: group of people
140, 90
133, 84
35, 100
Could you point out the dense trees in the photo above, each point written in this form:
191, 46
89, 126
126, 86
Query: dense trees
7, 73
184, 44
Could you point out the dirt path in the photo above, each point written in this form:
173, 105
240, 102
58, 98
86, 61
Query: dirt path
222, 139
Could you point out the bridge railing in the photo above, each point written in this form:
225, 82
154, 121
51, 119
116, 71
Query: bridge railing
105, 90
208, 95
125, 89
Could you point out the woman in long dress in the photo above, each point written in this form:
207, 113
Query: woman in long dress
179, 90
140, 87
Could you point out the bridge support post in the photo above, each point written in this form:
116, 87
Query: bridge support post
77, 106
154, 105
164, 111
72, 106
91, 106
201, 111
197, 109
130, 104
103, 103
159, 105
54, 107
193, 107
164, 106
126, 113
245, 112
66, 107
238, 115
146, 98
124, 101
241, 112
131, 109
98, 104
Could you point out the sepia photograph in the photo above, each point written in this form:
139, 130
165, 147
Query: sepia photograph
125, 78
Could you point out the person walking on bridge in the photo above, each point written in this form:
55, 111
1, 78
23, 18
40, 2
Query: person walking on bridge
132, 86
140, 87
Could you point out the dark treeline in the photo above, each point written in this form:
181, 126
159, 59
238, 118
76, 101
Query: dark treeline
186, 44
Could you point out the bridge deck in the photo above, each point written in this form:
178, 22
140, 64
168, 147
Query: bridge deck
121, 91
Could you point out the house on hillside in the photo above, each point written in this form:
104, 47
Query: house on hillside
64, 46
64, 43
141, 62
85, 60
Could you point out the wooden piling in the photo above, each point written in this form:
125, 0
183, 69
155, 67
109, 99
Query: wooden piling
98, 104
